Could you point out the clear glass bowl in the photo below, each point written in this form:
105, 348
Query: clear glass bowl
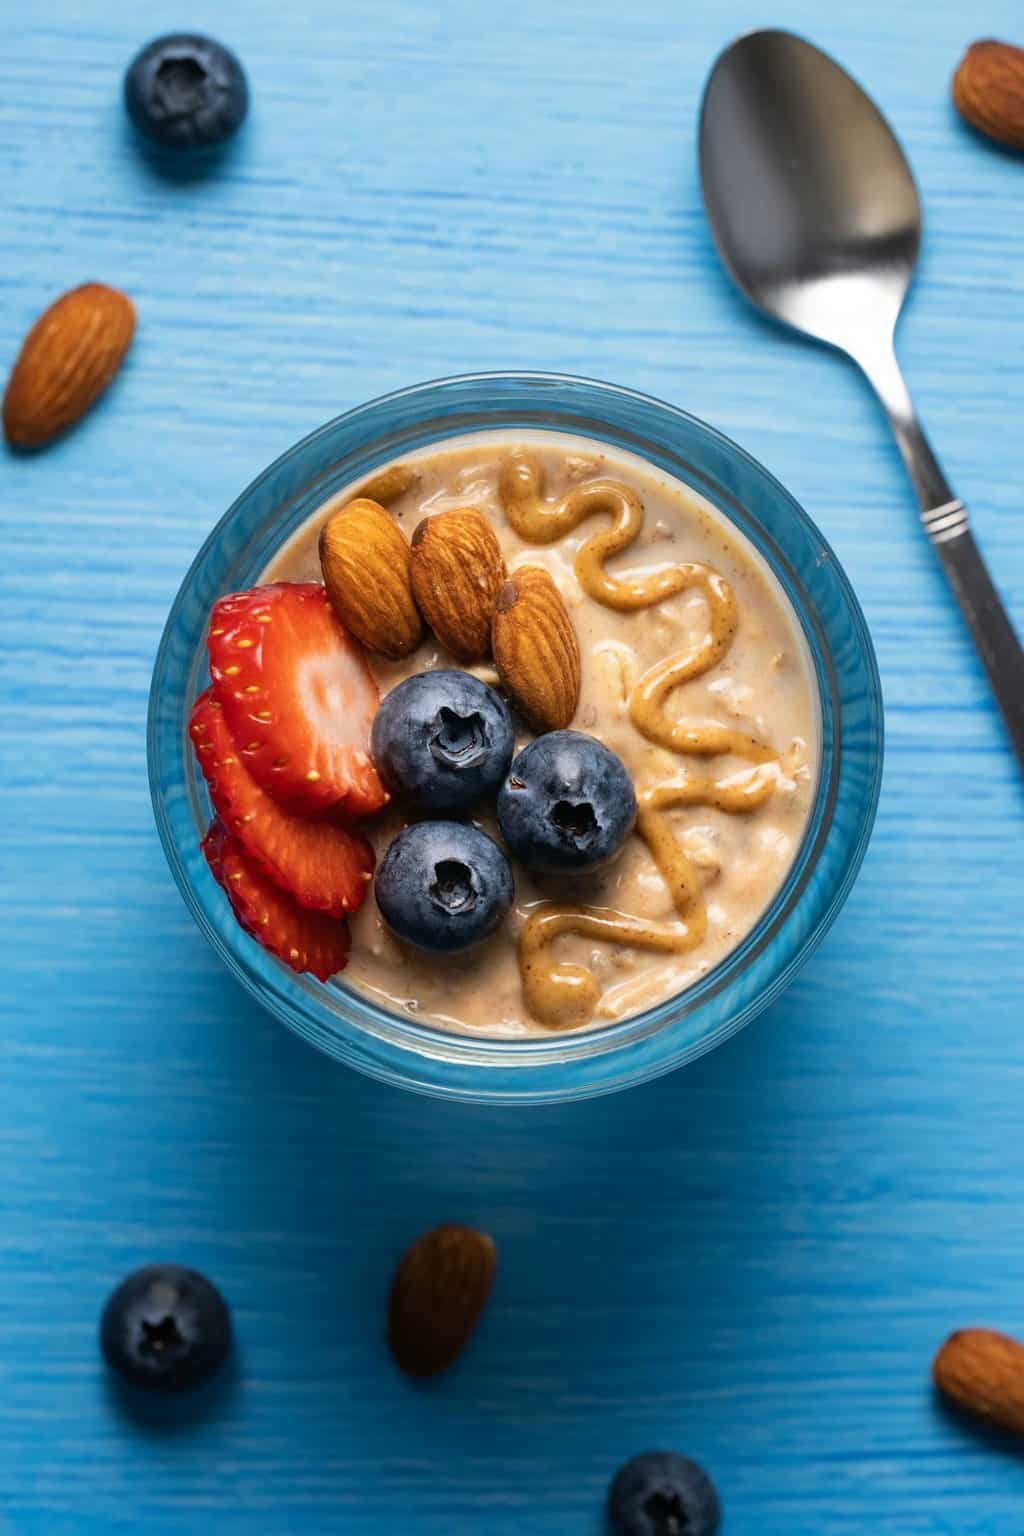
392, 1047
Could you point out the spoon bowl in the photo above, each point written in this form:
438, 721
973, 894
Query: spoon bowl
812, 204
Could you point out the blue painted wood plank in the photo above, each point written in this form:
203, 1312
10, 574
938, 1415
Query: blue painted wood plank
753, 1260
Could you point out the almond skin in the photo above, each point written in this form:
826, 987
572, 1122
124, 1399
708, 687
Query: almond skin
66, 362
982, 1372
536, 650
439, 1291
364, 558
457, 572
988, 91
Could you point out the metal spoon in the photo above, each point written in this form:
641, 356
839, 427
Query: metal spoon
816, 216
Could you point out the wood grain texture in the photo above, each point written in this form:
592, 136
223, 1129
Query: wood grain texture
752, 1261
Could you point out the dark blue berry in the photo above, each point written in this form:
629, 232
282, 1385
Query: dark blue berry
442, 739
662, 1494
568, 804
165, 1327
443, 885
184, 92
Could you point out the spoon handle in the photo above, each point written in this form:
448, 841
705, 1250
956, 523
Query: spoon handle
982, 607
946, 523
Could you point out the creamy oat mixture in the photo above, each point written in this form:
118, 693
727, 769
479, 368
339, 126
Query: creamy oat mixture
761, 690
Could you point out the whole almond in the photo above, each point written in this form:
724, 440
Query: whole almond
364, 558
457, 573
988, 90
536, 650
66, 362
982, 1372
439, 1291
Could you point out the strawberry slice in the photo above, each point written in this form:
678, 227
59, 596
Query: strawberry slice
307, 941
298, 697
324, 866
213, 848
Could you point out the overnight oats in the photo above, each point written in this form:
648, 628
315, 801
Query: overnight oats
520, 734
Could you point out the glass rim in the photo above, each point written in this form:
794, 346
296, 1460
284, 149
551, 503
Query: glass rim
298, 999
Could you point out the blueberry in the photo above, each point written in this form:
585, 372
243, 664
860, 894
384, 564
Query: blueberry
442, 739
568, 804
443, 885
165, 1327
662, 1494
184, 92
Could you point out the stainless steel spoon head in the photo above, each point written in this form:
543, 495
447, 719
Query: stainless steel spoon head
810, 198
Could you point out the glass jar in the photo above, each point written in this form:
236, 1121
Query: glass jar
347, 1025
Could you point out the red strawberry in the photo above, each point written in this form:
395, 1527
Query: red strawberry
323, 865
307, 941
298, 697
213, 848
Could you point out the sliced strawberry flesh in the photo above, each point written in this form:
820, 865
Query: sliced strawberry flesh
213, 848
325, 866
298, 697
306, 941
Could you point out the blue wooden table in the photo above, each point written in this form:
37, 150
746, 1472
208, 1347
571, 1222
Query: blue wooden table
753, 1260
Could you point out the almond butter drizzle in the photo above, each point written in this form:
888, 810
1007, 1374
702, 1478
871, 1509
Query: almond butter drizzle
563, 995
